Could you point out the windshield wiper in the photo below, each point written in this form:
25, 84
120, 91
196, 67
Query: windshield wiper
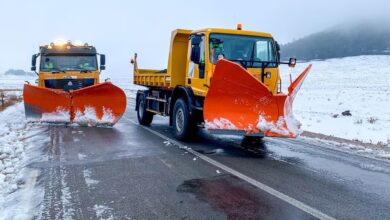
85, 71
56, 70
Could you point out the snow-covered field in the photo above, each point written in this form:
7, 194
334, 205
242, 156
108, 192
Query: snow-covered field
14, 82
360, 85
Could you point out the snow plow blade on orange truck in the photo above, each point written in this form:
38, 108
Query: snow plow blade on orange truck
69, 91
236, 100
224, 80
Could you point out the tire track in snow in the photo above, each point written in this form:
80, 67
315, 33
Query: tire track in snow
52, 201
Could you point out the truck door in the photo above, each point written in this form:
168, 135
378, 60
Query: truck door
196, 70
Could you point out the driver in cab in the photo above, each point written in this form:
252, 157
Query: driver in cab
49, 65
84, 64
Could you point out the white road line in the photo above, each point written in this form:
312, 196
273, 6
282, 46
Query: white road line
310, 210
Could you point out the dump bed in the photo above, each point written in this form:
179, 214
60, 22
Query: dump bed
175, 73
147, 77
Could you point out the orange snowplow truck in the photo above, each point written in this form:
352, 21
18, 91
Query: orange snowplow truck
69, 90
226, 81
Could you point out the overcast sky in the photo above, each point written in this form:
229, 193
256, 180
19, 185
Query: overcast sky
118, 28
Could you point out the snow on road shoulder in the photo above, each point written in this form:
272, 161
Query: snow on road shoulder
360, 85
19, 195
103, 212
12, 148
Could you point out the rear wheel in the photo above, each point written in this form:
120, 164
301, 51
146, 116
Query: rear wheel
184, 125
144, 117
254, 145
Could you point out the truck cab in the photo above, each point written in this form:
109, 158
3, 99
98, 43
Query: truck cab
67, 66
255, 51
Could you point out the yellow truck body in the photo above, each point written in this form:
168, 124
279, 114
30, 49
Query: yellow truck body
179, 60
225, 80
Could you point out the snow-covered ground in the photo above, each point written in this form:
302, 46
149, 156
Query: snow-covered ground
360, 85
18, 194
14, 82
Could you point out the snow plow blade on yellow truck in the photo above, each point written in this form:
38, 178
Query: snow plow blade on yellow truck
236, 100
227, 81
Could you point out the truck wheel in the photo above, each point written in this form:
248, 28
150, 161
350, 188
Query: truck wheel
144, 117
185, 127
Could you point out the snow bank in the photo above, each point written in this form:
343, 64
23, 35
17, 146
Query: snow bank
89, 116
284, 126
103, 212
60, 115
19, 196
358, 84
221, 123
11, 147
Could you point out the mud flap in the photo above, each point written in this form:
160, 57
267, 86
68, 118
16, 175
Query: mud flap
236, 100
101, 104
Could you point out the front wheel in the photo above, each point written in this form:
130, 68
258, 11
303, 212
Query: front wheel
184, 125
144, 117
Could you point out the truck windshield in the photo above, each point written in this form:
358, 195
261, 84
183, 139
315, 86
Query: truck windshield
239, 48
55, 63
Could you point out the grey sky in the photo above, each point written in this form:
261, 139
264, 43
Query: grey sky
118, 28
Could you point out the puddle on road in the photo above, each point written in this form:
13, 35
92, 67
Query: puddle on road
238, 199
223, 193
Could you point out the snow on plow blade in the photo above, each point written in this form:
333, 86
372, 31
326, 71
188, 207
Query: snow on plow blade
101, 104
238, 101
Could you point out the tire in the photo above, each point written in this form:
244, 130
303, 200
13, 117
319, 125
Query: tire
251, 141
185, 127
254, 145
144, 117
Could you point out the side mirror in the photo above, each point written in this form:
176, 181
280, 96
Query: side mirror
292, 62
195, 48
34, 62
277, 46
277, 50
195, 54
102, 62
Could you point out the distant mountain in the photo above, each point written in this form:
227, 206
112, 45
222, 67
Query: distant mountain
18, 72
341, 41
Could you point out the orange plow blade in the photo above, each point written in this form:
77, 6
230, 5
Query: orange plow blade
46, 104
238, 101
101, 104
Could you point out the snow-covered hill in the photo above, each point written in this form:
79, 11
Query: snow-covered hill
360, 85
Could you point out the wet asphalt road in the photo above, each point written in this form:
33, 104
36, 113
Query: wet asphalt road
130, 173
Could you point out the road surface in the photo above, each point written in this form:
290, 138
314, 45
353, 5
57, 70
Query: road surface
133, 172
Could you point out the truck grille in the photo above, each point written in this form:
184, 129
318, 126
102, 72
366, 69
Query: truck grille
68, 84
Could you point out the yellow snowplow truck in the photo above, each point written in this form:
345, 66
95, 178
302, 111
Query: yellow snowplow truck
69, 89
226, 81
